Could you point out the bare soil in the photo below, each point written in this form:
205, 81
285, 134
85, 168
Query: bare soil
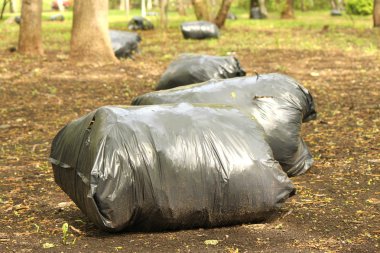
336, 208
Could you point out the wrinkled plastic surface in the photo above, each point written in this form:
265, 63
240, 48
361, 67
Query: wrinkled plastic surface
124, 44
278, 102
192, 68
168, 167
199, 30
57, 17
140, 23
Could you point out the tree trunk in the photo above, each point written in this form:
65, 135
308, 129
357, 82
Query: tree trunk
12, 6
288, 12
263, 9
222, 13
30, 38
164, 13
61, 8
201, 10
376, 13
90, 41
149, 5
124, 6
181, 8
143, 8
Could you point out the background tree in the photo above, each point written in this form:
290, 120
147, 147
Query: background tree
143, 8
125, 5
164, 5
181, 8
288, 11
261, 5
203, 10
89, 36
30, 38
376, 13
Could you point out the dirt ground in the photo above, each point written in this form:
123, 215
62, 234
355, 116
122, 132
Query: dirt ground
337, 205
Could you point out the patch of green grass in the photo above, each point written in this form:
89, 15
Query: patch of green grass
312, 30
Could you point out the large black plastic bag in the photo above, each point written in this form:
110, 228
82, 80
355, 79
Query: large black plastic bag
191, 68
168, 167
278, 102
199, 30
140, 23
124, 44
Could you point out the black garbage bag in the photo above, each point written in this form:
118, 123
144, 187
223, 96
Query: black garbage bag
140, 23
199, 30
18, 19
256, 13
124, 44
57, 17
190, 69
168, 167
279, 103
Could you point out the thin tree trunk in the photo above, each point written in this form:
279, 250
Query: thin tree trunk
222, 13
3, 9
164, 13
12, 6
143, 8
90, 41
61, 8
127, 7
288, 12
376, 13
149, 5
181, 8
30, 38
263, 9
122, 5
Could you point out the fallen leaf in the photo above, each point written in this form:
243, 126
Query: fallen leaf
211, 242
48, 245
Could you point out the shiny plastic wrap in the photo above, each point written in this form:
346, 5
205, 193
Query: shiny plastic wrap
279, 103
199, 30
192, 68
168, 167
124, 44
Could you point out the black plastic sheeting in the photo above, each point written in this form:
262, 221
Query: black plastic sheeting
168, 167
279, 103
57, 17
124, 44
140, 23
191, 68
199, 30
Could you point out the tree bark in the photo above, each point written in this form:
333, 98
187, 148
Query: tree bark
12, 6
201, 9
376, 13
164, 13
149, 5
61, 8
90, 41
220, 18
143, 8
181, 8
30, 36
288, 12
263, 9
